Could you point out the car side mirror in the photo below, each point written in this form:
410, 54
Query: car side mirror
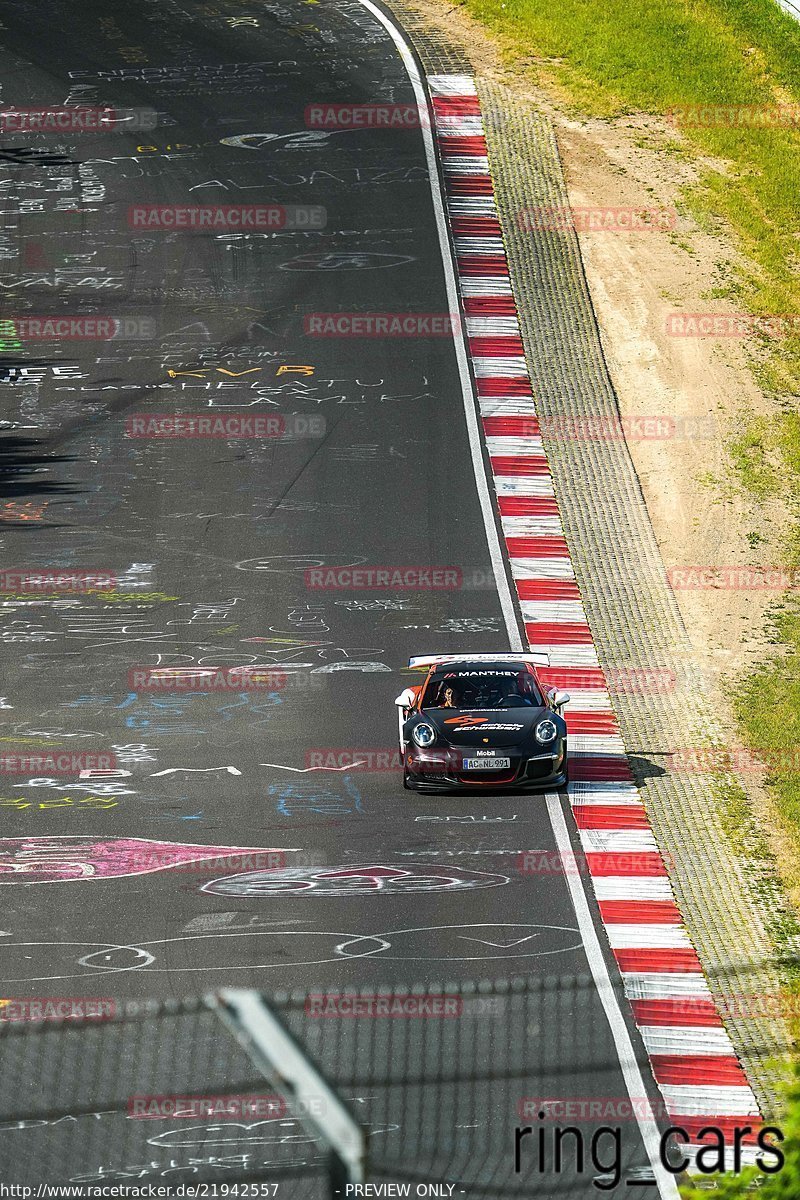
560, 699
404, 702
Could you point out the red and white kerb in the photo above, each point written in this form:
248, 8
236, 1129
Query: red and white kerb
692, 1057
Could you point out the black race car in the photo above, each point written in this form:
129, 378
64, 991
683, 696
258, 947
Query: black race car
482, 721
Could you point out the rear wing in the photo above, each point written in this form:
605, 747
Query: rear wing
424, 661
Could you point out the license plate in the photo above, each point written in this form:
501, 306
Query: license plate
487, 764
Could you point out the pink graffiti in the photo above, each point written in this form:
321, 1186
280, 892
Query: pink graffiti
60, 859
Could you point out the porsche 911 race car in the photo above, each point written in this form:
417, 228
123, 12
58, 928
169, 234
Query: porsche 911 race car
482, 721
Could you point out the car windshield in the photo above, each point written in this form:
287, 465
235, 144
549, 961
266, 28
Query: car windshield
482, 689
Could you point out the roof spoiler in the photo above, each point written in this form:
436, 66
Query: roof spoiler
420, 661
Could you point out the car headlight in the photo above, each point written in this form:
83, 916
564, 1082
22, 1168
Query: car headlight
545, 732
424, 734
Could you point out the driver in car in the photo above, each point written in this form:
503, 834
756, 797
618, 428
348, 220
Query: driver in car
515, 693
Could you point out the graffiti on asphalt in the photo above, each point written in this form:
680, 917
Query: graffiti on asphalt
366, 880
59, 859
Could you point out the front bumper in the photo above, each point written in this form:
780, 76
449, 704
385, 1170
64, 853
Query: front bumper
441, 770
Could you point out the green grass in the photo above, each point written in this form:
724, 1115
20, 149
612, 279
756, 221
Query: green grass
751, 454
783, 1184
767, 703
620, 57
750, 841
